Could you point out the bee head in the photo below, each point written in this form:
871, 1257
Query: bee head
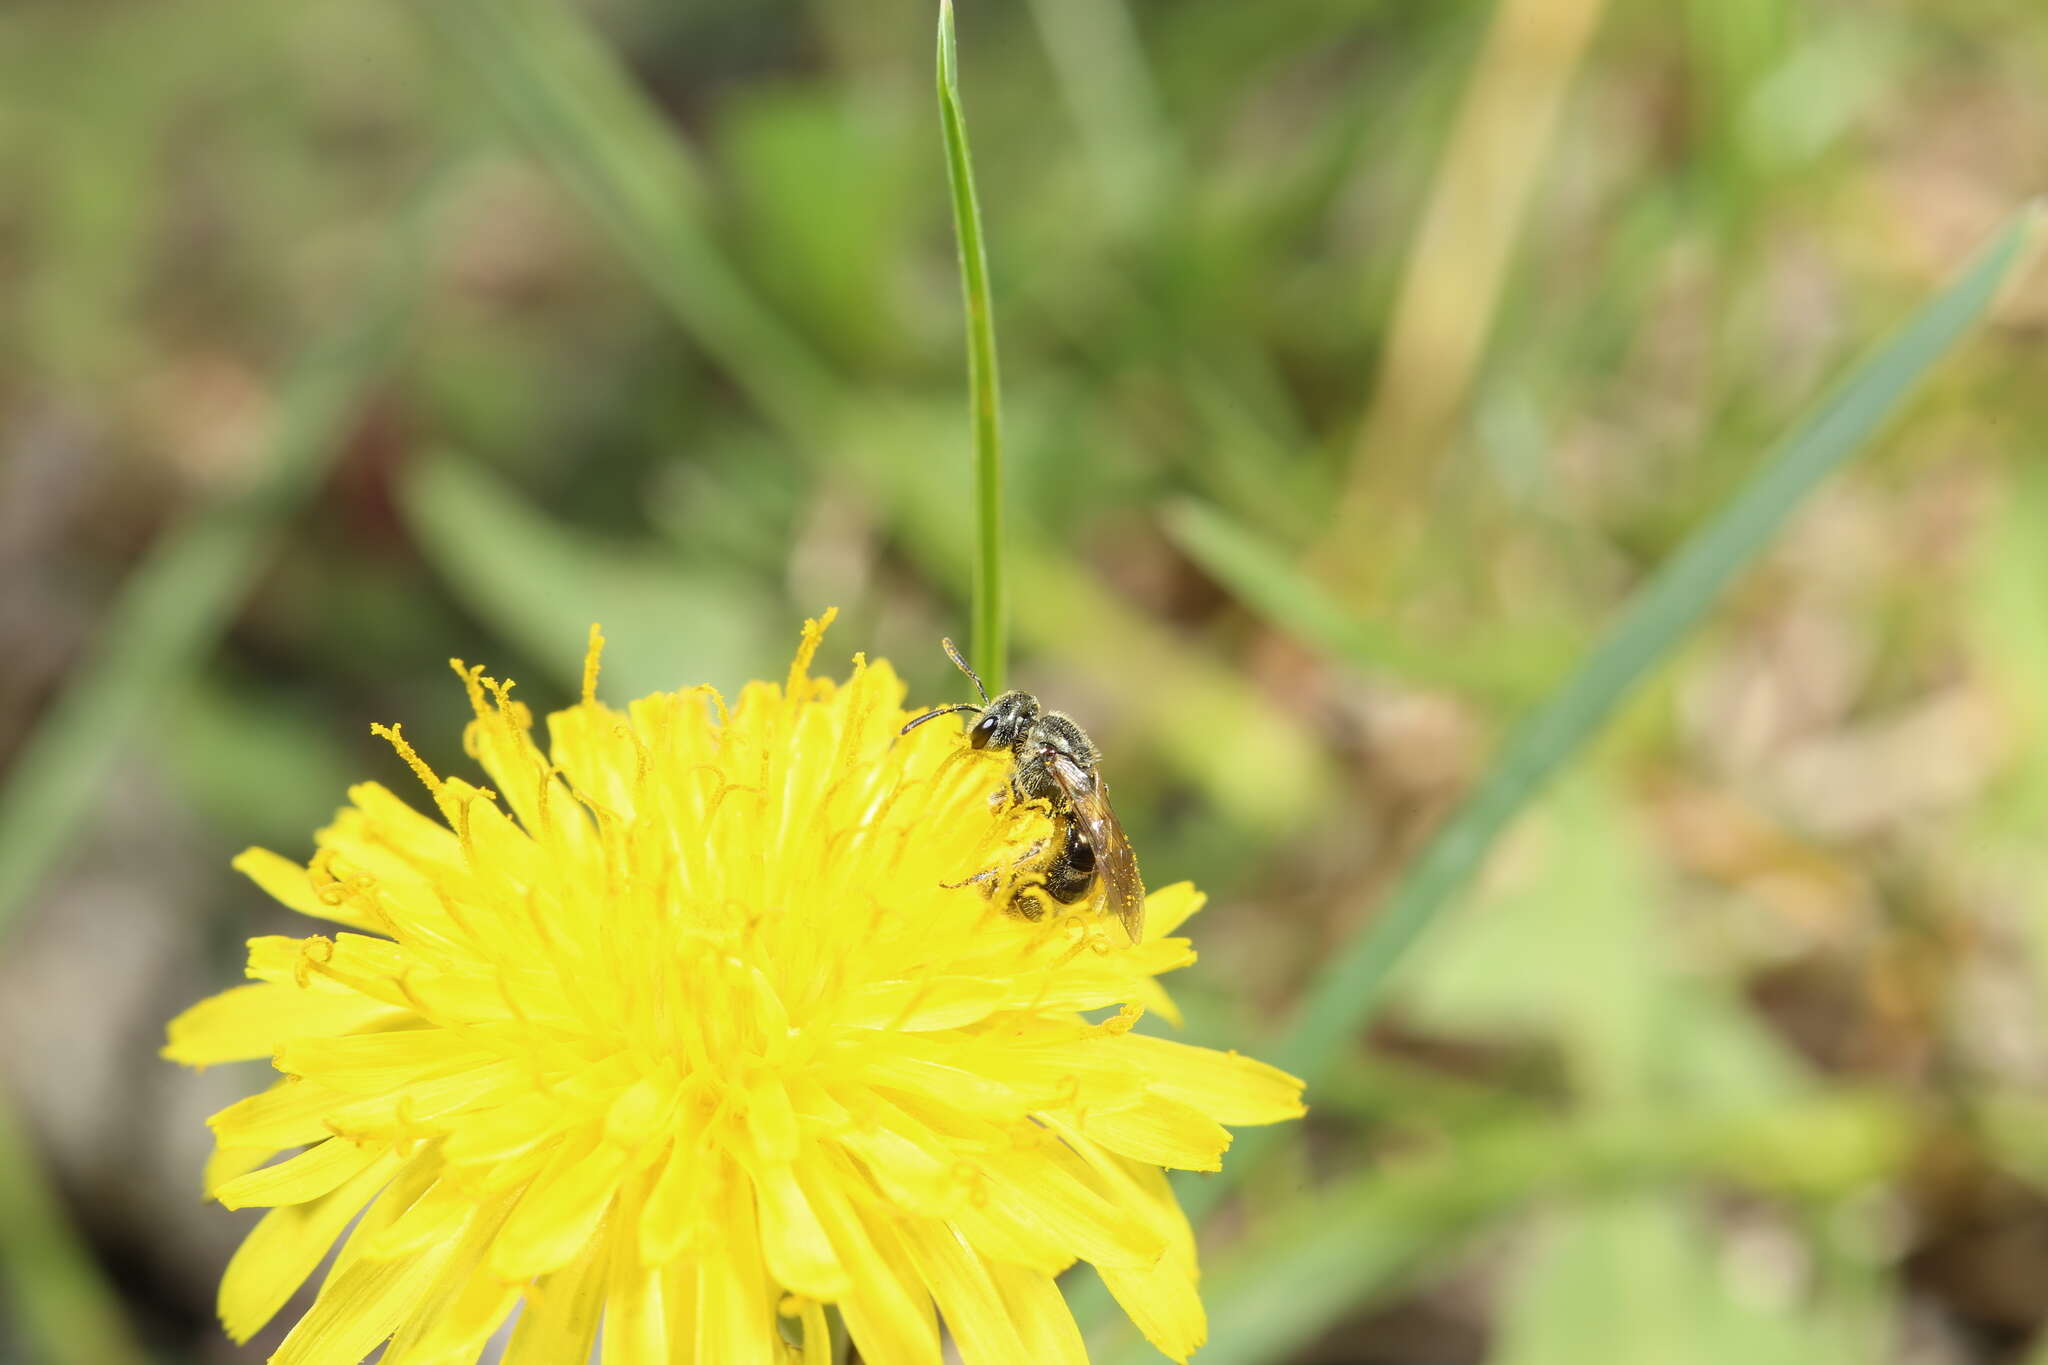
1004, 722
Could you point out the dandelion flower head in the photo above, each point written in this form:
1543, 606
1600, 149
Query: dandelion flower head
678, 1029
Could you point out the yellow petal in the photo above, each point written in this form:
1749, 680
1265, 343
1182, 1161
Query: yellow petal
1161, 1300
225, 1163
287, 1114
439, 1215
392, 822
1153, 997
408, 1184
247, 1022
496, 1135
560, 1320
919, 1172
681, 1201
1000, 1236
404, 1112
1050, 1189
448, 1325
373, 966
817, 1335
1141, 1190
1042, 1317
1227, 1087
359, 1306
462, 1321
373, 1063
921, 1004
798, 1252
292, 886
1160, 1131
900, 1064
560, 1210
635, 1303
1084, 1070
771, 1120
1168, 908
308, 1175
286, 1246
888, 1313
967, 1296
735, 1309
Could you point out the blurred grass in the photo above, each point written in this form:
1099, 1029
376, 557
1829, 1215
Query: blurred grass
1732, 1052
1451, 285
1659, 615
180, 600
168, 618
58, 1292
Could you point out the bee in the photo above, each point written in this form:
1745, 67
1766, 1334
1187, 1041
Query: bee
1054, 761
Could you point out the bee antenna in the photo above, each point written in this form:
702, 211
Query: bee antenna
953, 653
936, 713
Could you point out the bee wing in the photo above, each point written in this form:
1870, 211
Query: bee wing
1115, 864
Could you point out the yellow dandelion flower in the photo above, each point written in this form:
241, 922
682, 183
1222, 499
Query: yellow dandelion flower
678, 1029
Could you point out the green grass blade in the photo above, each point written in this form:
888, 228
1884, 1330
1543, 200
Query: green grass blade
180, 599
991, 643
1662, 612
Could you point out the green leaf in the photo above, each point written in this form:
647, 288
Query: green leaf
1659, 616
991, 624
542, 585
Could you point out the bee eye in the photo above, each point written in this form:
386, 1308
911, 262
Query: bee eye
983, 730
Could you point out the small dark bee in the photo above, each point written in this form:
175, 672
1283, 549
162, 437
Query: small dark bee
1054, 762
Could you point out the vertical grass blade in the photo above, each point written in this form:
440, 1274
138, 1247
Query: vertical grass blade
1656, 619
991, 643
180, 599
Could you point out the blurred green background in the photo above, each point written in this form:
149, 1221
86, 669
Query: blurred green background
1359, 359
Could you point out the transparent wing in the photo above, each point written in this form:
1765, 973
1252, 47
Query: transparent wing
1116, 866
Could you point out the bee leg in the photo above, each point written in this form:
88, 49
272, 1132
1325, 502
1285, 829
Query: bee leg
1027, 906
987, 877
